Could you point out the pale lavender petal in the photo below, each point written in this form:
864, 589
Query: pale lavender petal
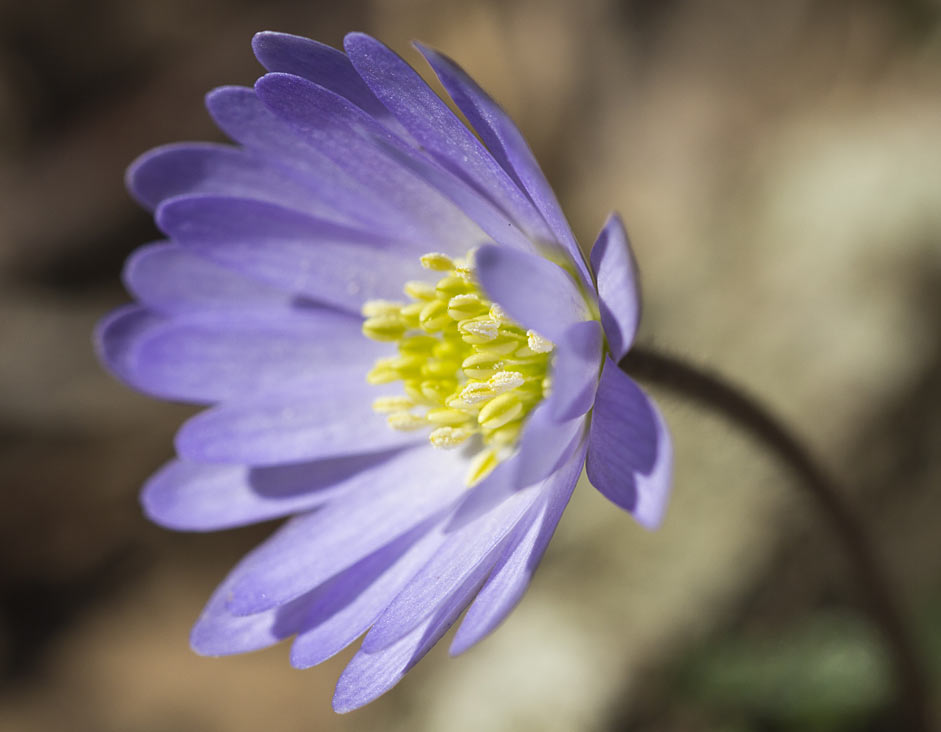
439, 131
206, 497
463, 553
371, 154
618, 286
292, 251
535, 292
220, 633
218, 356
508, 146
172, 280
630, 455
308, 550
241, 115
316, 62
191, 168
576, 367
370, 675
349, 603
544, 446
515, 567
115, 336
330, 418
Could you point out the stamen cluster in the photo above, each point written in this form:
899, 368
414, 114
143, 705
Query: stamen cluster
467, 369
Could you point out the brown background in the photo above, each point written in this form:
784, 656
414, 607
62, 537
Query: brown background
779, 168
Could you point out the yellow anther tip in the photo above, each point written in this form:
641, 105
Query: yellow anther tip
437, 262
448, 438
537, 343
406, 421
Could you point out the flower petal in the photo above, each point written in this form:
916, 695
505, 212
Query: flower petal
241, 115
191, 168
508, 146
406, 491
438, 130
630, 455
575, 370
172, 280
206, 497
463, 553
316, 62
329, 418
220, 633
218, 356
371, 154
618, 286
115, 335
535, 292
292, 251
520, 557
370, 675
544, 447
349, 603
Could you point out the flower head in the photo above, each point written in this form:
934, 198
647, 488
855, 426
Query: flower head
403, 350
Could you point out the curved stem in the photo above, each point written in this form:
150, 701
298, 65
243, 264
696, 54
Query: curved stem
748, 413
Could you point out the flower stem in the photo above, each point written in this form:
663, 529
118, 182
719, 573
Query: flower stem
748, 413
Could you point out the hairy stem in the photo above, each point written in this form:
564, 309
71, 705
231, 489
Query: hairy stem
756, 420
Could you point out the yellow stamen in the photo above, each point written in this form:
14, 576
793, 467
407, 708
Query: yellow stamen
466, 368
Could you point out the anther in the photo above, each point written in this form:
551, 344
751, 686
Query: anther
478, 330
372, 308
390, 404
384, 327
418, 290
437, 262
449, 437
537, 343
500, 410
406, 421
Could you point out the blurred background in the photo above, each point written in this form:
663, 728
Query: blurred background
779, 167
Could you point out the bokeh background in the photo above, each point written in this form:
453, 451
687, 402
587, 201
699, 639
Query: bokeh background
779, 168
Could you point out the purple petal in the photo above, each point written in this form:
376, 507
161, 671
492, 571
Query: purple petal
206, 497
372, 155
242, 116
406, 491
211, 357
618, 286
370, 675
520, 557
575, 370
220, 633
330, 418
438, 130
348, 604
172, 280
192, 168
115, 335
463, 553
316, 62
535, 292
508, 146
292, 251
546, 444
630, 455
544, 447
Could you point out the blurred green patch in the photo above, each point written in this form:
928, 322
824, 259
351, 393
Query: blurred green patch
827, 674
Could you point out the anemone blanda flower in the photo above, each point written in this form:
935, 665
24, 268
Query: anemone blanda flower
403, 350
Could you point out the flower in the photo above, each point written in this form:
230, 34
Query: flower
403, 350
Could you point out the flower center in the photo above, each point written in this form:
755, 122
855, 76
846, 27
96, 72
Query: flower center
467, 370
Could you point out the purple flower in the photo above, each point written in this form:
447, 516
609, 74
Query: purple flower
403, 350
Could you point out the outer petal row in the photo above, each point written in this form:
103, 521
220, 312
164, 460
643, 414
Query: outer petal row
630, 455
